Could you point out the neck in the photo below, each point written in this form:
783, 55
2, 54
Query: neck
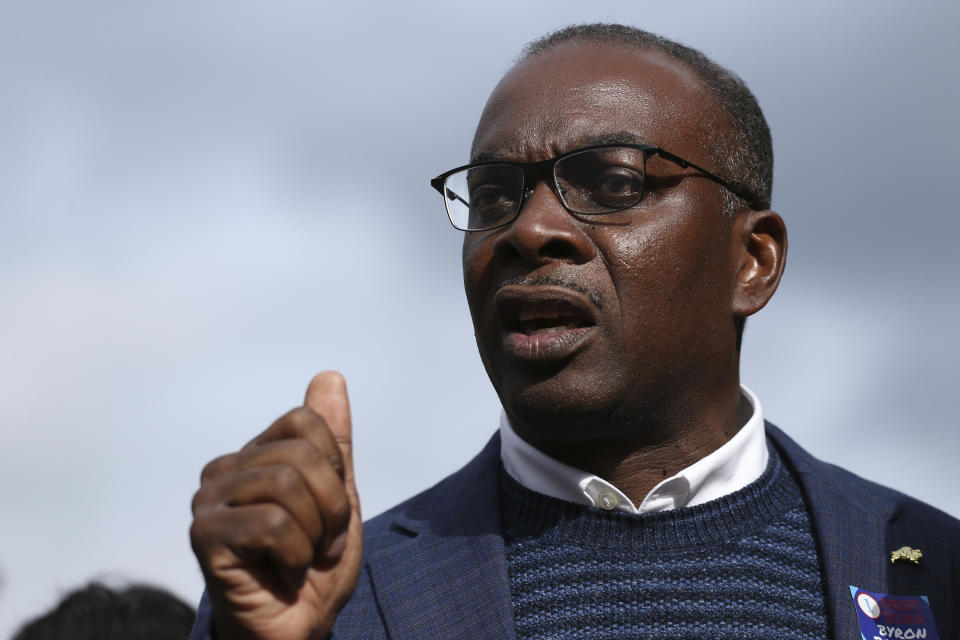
652, 444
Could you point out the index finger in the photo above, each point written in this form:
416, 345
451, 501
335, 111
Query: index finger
302, 423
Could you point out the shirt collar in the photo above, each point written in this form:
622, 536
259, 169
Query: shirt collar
740, 461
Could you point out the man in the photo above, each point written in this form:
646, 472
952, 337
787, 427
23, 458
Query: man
617, 234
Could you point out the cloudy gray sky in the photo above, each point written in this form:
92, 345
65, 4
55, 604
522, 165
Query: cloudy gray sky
203, 204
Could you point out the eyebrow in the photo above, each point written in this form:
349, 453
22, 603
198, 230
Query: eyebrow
619, 137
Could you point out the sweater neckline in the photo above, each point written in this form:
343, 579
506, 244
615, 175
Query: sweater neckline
526, 513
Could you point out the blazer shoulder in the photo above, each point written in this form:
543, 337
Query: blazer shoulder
460, 499
862, 494
444, 545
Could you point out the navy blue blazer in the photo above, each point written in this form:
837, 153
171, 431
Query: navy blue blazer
435, 566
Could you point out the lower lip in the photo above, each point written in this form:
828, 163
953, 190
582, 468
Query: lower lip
546, 347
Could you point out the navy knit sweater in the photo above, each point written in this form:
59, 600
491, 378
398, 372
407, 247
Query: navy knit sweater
742, 566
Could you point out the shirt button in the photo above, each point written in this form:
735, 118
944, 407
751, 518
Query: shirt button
607, 500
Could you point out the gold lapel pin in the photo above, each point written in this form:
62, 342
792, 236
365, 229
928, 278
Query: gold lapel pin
906, 553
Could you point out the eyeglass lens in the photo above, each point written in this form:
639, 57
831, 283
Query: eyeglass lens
589, 182
601, 180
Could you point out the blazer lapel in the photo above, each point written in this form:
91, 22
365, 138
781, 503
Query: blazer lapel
446, 575
850, 527
937, 572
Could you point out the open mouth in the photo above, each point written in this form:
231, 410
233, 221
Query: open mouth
543, 323
538, 319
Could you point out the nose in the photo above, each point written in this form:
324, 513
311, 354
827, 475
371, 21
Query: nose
544, 231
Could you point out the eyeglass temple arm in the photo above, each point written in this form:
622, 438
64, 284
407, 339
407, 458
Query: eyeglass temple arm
454, 196
437, 183
734, 188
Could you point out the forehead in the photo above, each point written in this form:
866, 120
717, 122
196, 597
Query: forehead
577, 93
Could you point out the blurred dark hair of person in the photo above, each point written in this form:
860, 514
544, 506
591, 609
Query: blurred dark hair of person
97, 612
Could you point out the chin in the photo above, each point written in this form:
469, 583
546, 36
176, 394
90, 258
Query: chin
555, 408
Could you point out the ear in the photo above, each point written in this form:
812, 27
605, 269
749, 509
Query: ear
761, 238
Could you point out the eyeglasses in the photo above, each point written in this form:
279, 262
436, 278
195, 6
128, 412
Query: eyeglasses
590, 181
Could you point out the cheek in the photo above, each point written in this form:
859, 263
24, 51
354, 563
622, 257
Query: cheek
476, 257
642, 265
667, 276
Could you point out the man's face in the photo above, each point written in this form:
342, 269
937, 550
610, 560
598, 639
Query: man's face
590, 325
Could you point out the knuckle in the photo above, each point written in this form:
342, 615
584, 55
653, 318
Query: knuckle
198, 502
277, 527
251, 535
287, 479
215, 467
301, 419
245, 536
206, 498
304, 452
196, 532
199, 535
298, 554
276, 521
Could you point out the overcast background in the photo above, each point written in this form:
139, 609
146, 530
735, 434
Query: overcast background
204, 203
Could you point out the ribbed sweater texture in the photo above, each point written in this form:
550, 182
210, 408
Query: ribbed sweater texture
742, 566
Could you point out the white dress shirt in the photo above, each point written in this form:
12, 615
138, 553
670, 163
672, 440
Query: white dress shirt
740, 461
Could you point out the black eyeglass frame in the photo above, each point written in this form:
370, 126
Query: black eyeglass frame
547, 168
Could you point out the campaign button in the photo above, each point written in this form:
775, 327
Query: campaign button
885, 615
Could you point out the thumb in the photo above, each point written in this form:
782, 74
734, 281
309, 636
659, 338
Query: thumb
327, 395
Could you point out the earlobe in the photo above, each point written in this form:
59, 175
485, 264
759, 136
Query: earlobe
761, 238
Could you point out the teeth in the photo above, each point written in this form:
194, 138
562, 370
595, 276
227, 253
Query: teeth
526, 315
533, 332
542, 319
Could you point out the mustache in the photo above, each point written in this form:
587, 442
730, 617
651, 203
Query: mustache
542, 279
